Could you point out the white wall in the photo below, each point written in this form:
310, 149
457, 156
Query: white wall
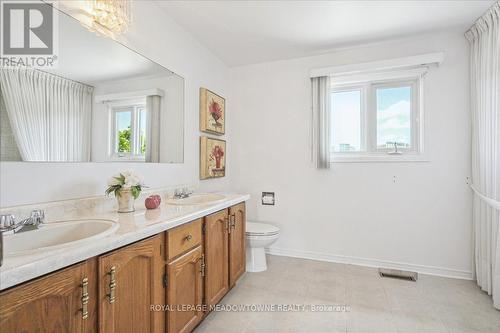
356, 212
155, 35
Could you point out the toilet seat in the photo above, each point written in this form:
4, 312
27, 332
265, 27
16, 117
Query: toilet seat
261, 229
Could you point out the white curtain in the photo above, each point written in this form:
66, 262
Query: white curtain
484, 39
321, 121
49, 115
153, 107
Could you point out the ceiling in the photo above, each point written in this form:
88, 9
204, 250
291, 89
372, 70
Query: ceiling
246, 32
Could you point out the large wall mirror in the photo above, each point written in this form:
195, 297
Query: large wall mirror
102, 103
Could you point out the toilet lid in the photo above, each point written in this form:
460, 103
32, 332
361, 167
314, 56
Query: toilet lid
254, 228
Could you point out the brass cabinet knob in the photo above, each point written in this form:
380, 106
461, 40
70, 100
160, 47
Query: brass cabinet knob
188, 237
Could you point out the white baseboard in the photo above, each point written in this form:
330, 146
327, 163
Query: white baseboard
430, 270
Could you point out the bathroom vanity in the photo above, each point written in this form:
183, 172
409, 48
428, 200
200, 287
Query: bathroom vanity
160, 273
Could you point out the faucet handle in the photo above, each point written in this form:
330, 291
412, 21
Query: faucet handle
38, 213
37, 216
7, 221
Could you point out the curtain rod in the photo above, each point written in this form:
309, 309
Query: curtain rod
418, 60
48, 73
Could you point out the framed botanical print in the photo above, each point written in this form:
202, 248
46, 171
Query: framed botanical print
212, 112
212, 158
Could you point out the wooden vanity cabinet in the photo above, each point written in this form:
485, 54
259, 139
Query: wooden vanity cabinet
183, 238
184, 292
216, 245
225, 256
64, 301
184, 279
130, 283
237, 249
159, 284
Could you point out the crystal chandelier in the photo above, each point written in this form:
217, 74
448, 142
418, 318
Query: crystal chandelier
110, 17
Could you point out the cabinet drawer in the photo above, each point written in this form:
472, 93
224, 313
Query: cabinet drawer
183, 238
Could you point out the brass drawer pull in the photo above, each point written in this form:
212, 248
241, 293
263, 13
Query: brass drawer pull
85, 298
227, 219
233, 220
112, 284
202, 266
188, 237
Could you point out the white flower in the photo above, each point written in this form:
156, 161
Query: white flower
131, 179
125, 179
129, 182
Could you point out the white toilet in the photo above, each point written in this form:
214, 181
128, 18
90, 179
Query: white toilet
259, 236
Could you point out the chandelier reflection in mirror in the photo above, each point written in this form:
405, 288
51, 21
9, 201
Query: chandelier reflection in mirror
110, 17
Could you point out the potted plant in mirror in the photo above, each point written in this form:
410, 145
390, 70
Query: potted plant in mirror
127, 187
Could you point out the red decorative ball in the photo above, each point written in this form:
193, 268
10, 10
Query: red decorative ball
153, 201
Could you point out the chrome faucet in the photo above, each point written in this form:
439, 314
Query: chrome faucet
182, 193
8, 222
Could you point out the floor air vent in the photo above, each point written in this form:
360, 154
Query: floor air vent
398, 274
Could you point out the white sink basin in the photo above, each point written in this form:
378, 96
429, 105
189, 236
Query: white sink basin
197, 199
55, 235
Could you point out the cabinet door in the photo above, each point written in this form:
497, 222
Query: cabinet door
237, 254
53, 303
130, 283
184, 292
216, 257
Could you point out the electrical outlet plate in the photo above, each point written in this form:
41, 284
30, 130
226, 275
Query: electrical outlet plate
268, 198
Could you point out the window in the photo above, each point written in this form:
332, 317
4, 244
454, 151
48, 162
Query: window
128, 132
375, 119
346, 120
394, 114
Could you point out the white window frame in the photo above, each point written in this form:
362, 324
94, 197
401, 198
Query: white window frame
368, 83
135, 106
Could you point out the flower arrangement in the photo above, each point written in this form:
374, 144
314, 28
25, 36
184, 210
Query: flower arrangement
217, 153
215, 111
125, 181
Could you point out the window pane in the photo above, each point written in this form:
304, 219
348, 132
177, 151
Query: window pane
142, 131
123, 132
346, 121
394, 117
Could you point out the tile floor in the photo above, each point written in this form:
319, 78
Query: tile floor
432, 304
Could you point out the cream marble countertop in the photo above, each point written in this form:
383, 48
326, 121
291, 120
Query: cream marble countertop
132, 227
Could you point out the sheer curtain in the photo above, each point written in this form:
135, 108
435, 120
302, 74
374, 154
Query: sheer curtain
484, 39
153, 107
321, 121
49, 115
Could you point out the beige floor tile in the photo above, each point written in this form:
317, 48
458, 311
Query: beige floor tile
367, 319
430, 305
